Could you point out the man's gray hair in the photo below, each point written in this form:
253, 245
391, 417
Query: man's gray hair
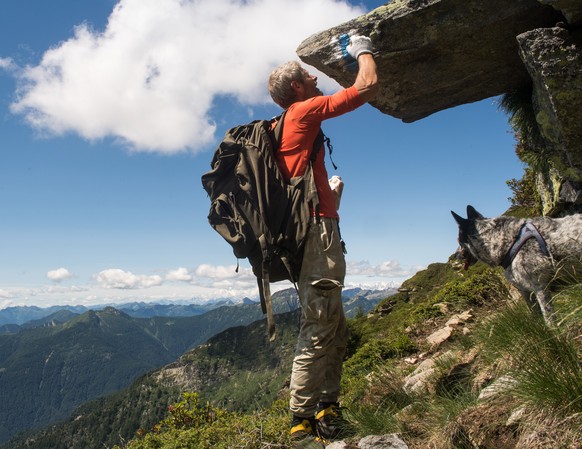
280, 83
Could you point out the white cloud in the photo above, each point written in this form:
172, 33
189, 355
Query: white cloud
220, 271
390, 269
7, 64
150, 78
58, 275
4, 294
118, 279
180, 274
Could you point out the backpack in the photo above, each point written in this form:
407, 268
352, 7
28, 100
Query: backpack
262, 216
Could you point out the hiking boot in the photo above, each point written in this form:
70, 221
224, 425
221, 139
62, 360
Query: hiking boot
303, 434
330, 422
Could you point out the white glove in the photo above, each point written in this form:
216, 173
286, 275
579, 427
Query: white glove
359, 45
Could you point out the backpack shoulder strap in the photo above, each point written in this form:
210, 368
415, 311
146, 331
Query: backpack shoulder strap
277, 133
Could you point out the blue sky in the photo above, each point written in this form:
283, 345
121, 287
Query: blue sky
110, 112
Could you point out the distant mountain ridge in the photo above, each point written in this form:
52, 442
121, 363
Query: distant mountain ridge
15, 318
52, 365
23, 314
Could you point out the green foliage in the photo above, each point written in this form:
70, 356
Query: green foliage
543, 361
194, 425
375, 352
530, 148
248, 390
375, 400
190, 413
435, 419
526, 200
477, 290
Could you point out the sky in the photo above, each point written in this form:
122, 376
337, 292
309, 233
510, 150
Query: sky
110, 112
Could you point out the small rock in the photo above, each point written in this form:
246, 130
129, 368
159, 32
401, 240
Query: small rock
436, 338
516, 416
391, 441
454, 321
460, 318
499, 386
417, 381
338, 445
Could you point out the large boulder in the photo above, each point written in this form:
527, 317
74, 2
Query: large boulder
436, 54
572, 9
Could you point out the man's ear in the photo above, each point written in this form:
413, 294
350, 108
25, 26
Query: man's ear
299, 90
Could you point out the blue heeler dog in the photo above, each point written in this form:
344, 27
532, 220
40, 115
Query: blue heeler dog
532, 251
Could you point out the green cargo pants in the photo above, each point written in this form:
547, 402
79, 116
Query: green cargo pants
323, 334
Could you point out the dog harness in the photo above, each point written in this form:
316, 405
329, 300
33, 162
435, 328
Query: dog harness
527, 231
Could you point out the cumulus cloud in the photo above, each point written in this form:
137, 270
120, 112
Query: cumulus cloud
116, 278
152, 76
59, 275
390, 268
180, 274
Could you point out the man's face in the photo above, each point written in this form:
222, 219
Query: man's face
310, 85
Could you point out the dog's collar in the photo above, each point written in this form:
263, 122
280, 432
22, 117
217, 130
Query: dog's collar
527, 231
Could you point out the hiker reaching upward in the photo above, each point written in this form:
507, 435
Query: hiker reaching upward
321, 345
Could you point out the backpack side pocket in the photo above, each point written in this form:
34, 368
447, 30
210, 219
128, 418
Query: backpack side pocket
227, 218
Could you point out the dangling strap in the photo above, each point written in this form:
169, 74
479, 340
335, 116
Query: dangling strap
265, 290
327, 141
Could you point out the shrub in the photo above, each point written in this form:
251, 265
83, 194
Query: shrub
479, 289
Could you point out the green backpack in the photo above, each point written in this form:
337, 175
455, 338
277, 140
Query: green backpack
263, 217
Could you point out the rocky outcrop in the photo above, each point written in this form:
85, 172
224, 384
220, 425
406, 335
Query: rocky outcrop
553, 58
436, 54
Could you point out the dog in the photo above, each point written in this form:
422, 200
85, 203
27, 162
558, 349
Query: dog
532, 251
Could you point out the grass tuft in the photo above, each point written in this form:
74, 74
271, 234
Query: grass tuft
543, 361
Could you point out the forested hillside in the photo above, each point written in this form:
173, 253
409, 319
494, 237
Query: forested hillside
48, 367
46, 372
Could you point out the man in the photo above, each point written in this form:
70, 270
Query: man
316, 374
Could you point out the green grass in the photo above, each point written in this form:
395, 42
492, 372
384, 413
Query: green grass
544, 361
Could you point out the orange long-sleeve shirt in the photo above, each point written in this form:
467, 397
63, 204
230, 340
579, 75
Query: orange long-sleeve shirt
302, 123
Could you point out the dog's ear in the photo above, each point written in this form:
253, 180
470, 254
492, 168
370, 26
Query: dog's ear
462, 222
472, 214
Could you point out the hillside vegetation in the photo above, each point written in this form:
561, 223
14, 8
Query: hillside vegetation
500, 378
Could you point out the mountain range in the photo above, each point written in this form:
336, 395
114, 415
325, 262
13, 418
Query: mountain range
54, 364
